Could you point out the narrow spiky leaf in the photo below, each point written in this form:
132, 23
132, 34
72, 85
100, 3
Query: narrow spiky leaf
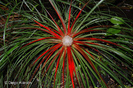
53, 33
61, 19
71, 64
78, 15
69, 17
60, 31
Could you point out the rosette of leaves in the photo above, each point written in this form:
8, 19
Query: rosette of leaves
69, 50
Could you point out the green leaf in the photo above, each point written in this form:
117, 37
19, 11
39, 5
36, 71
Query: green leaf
113, 31
117, 20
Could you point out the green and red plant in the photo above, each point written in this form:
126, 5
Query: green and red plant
73, 46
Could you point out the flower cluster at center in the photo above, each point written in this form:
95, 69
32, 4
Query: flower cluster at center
67, 40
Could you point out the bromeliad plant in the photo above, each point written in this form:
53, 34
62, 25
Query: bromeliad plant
75, 48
